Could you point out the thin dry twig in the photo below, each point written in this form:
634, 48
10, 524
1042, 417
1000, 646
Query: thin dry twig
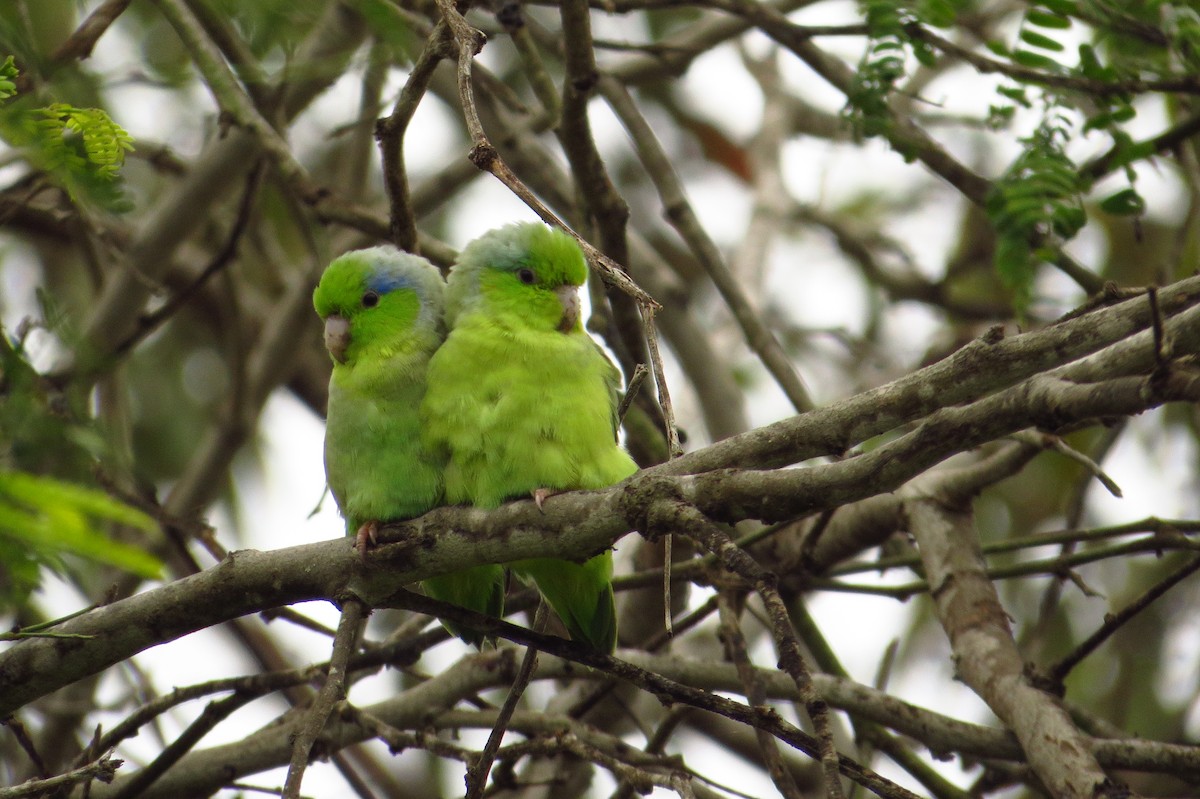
1059, 670
660, 379
334, 690
631, 390
253, 686
1056, 443
149, 322
212, 715
103, 769
642, 770
735, 647
674, 447
652, 682
679, 212
668, 515
79, 44
477, 772
17, 728
597, 192
484, 155
390, 130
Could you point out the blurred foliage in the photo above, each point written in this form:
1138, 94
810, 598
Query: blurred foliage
8, 73
1040, 199
881, 68
1036, 204
82, 148
47, 522
269, 26
104, 142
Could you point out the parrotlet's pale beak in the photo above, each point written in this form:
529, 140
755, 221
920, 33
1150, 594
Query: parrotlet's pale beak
569, 297
337, 336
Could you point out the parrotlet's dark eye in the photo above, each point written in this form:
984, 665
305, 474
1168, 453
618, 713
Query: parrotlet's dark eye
526, 276
370, 299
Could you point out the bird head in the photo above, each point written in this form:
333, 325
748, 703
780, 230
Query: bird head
377, 299
525, 270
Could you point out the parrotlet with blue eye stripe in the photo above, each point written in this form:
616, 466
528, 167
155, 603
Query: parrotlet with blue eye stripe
382, 310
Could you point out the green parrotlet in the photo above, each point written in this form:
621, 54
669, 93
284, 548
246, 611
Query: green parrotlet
522, 401
383, 320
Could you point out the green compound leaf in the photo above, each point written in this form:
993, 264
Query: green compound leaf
881, 67
1032, 60
1064, 7
104, 141
48, 518
937, 13
1126, 202
1038, 40
8, 74
1039, 196
1048, 19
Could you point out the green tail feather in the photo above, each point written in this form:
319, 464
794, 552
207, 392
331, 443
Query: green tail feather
581, 595
480, 589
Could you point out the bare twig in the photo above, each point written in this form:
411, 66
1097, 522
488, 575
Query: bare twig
1162, 528
1059, 670
666, 515
80, 43
477, 772
598, 194
390, 133
484, 155
626, 765
212, 715
103, 769
735, 648
631, 390
760, 718
150, 322
660, 379
674, 447
1057, 444
334, 689
679, 212
17, 728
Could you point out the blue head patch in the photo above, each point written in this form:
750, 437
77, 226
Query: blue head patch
384, 280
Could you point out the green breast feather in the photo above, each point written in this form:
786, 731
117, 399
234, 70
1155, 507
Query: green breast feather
520, 399
383, 315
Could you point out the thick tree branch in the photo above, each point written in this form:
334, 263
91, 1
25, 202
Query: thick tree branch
986, 364
985, 655
581, 523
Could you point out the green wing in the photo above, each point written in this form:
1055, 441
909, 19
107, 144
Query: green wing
480, 589
513, 415
521, 399
581, 595
386, 312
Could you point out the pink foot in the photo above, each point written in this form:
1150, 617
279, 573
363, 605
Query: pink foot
539, 496
366, 538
